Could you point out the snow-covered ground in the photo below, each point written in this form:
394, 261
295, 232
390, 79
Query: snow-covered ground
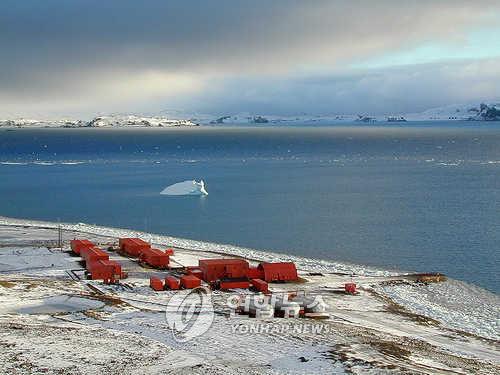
53, 323
455, 304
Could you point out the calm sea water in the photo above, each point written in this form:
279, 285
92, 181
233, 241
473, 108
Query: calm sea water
423, 198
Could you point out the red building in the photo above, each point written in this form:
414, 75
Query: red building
156, 283
216, 269
190, 281
155, 258
255, 273
133, 246
260, 285
234, 284
107, 270
93, 254
350, 288
282, 271
172, 282
78, 245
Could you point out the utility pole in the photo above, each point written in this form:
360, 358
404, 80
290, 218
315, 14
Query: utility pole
59, 234
146, 228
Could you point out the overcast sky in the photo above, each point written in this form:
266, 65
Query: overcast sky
78, 58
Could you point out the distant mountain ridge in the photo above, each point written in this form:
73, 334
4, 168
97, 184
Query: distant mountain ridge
467, 112
457, 112
113, 121
460, 112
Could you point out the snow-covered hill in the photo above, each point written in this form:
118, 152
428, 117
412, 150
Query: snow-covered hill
131, 120
99, 122
461, 112
468, 112
31, 123
246, 118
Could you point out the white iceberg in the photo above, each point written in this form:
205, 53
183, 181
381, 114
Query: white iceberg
190, 187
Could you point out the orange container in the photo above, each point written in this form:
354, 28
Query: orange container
78, 245
260, 285
255, 273
172, 282
155, 258
156, 283
116, 267
106, 270
234, 284
197, 273
133, 246
93, 254
190, 281
350, 288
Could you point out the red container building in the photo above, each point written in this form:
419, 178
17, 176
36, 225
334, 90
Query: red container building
350, 288
216, 269
172, 282
156, 283
133, 246
93, 254
155, 258
255, 273
98, 271
282, 271
106, 270
84, 251
115, 266
260, 285
190, 281
234, 284
78, 245
197, 273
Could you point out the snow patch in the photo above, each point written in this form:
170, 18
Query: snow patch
455, 304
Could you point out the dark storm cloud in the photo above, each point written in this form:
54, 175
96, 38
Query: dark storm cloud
381, 91
92, 55
70, 35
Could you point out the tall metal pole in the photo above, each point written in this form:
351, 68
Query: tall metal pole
59, 234
146, 228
